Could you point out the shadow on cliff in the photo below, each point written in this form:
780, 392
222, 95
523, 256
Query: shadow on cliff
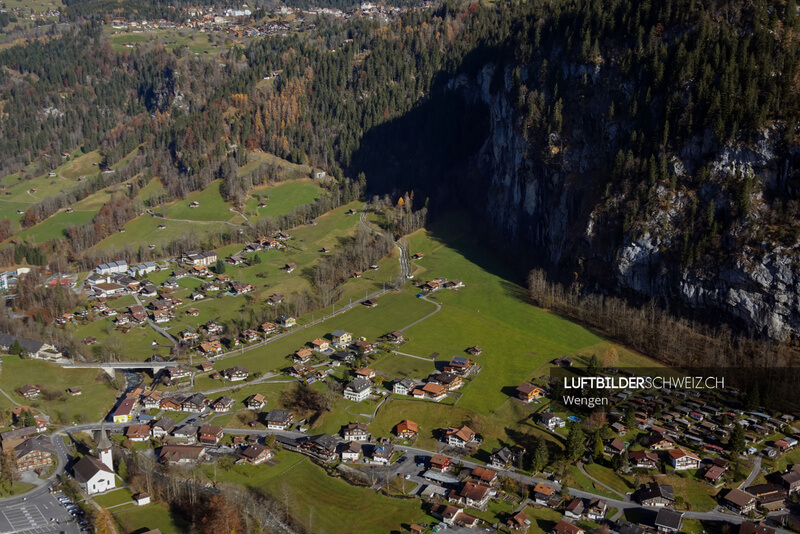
429, 149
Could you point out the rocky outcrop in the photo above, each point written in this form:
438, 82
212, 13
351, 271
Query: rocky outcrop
547, 201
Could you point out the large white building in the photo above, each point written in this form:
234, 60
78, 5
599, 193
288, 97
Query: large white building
113, 267
358, 390
97, 476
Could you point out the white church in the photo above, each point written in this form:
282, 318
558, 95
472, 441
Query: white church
97, 476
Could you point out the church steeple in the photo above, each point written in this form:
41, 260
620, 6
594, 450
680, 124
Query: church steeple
104, 448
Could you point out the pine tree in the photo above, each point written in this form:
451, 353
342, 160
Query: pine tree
220, 267
15, 348
630, 419
575, 446
736, 443
594, 365
597, 452
541, 456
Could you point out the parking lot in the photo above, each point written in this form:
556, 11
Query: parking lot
42, 514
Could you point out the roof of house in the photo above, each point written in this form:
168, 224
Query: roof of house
210, 430
565, 527
682, 453
440, 459
181, 452
38, 443
483, 473
463, 433
338, 333
669, 519
544, 489
738, 497
654, 490
359, 384
254, 451
575, 506
473, 491
279, 415
749, 527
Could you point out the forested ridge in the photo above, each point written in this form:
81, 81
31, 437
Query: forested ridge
654, 89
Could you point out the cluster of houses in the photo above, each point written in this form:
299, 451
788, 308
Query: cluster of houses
437, 386
235, 21
125, 410
441, 283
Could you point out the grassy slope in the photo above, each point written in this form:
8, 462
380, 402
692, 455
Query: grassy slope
331, 506
518, 340
281, 198
152, 516
92, 405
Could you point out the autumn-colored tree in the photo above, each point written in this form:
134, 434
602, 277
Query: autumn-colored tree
610, 358
104, 523
222, 517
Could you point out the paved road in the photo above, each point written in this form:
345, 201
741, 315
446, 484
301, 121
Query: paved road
753, 473
153, 324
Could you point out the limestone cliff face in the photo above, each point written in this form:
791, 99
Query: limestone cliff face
549, 201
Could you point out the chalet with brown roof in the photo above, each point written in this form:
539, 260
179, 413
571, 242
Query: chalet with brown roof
222, 404
542, 493
395, 337
181, 454
210, 434
518, 521
303, 355
484, 475
451, 381
365, 372
529, 392
138, 432
440, 462
211, 347
320, 345
460, 437
615, 446
682, 459
34, 453
431, 391
268, 328
472, 495
475, 351
356, 432
407, 429
739, 501
29, 391
74, 391
565, 527
643, 459
713, 474
256, 454
459, 365
255, 402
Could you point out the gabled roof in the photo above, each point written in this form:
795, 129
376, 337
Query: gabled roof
88, 466
359, 384
669, 519
654, 490
677, 454
739, 498
38, 443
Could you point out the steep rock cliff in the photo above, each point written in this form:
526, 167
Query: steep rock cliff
549, 200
